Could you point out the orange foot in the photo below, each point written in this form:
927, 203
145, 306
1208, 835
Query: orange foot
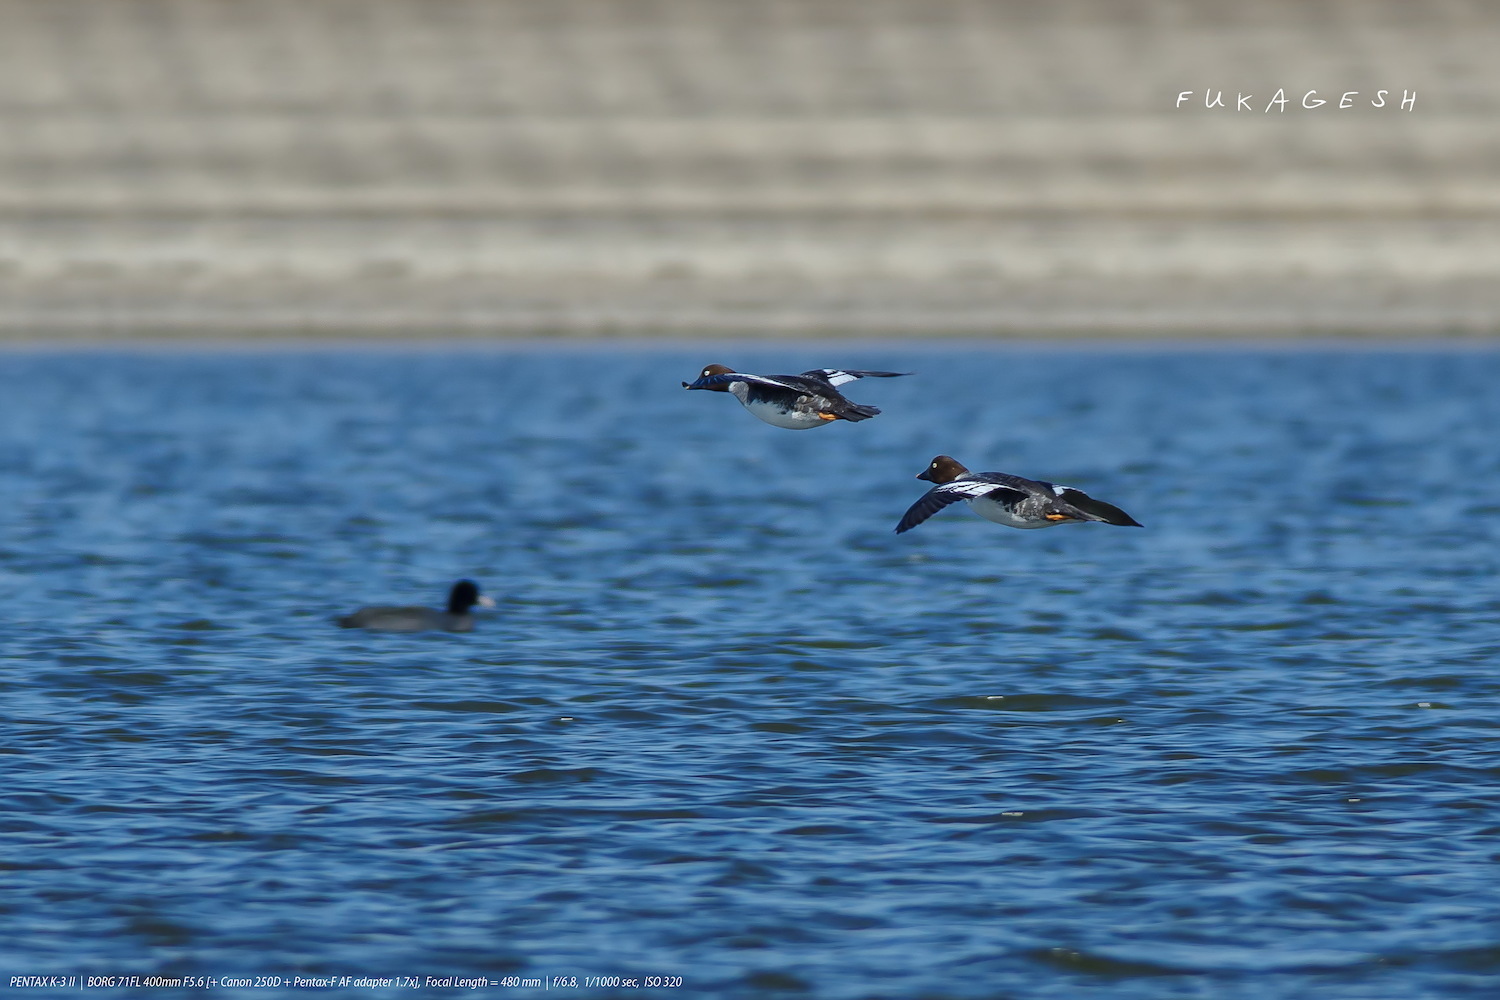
1057, 517
828, 416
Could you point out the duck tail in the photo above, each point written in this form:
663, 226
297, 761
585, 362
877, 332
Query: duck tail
857, 412
1098, 510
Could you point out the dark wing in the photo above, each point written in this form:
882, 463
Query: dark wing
776, 382
1019, 484
939, 497
839, 376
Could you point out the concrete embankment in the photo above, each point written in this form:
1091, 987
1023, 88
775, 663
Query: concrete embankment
685, 167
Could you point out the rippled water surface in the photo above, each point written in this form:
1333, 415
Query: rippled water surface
725, 724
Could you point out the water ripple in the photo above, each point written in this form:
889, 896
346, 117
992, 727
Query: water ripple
725, 724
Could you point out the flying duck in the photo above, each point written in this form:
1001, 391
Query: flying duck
464, 595
1005, 499
796, 402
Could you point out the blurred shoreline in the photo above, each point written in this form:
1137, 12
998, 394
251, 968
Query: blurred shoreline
740, 346
403, 169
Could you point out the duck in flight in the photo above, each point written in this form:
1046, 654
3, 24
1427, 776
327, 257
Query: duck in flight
796, 402
1005, 499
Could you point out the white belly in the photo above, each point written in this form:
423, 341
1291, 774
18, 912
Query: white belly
797, 420
1001, 514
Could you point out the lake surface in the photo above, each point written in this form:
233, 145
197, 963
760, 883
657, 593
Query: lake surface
725, 725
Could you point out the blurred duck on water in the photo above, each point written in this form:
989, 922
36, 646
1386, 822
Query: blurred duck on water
414, 618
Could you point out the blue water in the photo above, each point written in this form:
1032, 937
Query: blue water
725, 725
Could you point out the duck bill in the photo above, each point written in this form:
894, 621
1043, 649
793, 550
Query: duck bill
714, 383
926, 474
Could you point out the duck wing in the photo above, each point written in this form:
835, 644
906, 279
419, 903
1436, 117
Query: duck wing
839, 376
768, 381
939, 497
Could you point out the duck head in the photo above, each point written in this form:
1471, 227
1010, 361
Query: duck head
464, 595
943, 469
709, 379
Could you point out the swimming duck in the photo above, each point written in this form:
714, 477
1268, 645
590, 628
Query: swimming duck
1005, 499
796, 402
464, 595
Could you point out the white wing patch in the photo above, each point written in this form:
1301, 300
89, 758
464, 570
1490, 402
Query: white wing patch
971, 487
766, 380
